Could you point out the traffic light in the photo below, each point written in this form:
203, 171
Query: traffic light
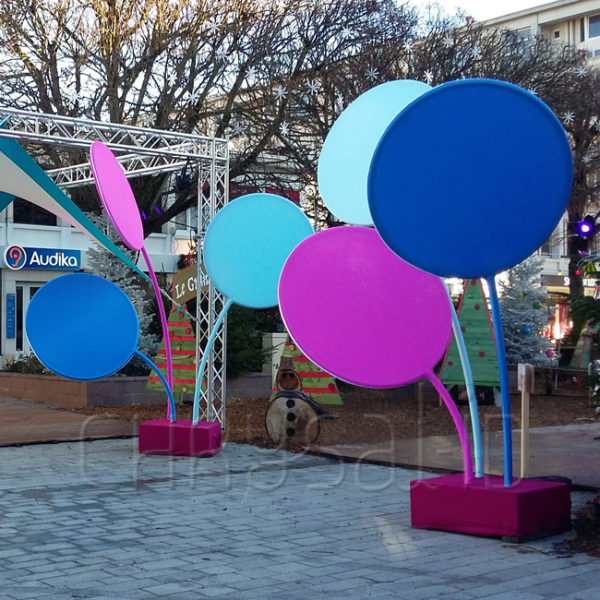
587, 226
584, 231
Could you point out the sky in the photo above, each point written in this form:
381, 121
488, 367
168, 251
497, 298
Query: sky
484, 9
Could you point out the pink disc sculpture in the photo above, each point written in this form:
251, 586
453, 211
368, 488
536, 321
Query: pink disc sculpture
120, 204
116, 195
366, 316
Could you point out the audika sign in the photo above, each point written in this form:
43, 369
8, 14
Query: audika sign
17, 257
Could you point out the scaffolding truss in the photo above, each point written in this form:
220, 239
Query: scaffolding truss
142, 151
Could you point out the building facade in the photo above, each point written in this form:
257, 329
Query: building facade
577, 23
36, 247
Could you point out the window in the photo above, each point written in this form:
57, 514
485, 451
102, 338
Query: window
581, 30
524, 35
30, 214
594, 26
556, 35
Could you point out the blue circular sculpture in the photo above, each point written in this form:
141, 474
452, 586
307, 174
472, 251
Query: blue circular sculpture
470, 178
347, 151
82, 326
247, 244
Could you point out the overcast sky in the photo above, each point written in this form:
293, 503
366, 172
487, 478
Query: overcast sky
484, 9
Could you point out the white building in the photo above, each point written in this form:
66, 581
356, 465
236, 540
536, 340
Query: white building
52, 248
577, 23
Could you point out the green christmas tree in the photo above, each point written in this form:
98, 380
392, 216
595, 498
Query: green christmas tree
476, 326
183, 355
318, 384
524, 315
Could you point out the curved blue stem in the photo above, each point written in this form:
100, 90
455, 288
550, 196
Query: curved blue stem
171, 415
468, 375
209, 343
503, 371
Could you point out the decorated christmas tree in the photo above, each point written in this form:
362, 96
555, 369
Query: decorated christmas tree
318, 384
476, 325
183, 351
105, 264
524, 314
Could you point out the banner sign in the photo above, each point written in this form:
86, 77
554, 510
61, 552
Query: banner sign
185, 283
17, 257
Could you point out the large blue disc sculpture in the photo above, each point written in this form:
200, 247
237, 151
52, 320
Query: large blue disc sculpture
82, 326
470, 178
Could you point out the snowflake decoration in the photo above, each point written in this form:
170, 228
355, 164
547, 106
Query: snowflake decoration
238, 128
581, 71
221, 53
533, 91
211, 26
312, 88
280, 92
251, 74
475, 52
171, 79
448, 42
569, 117
195, 96
372, 74
587, 159
408, 47
284, 128
597, 124
75, 96
346, 32
428, 76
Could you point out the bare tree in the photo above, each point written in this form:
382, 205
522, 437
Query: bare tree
219, 67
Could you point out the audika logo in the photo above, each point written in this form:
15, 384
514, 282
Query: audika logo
15, 257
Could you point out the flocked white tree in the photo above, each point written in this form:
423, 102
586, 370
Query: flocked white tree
105, 264
525, 314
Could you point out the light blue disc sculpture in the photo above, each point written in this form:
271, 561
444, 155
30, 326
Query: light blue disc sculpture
82, 326
247, 244
245, 248
346, 155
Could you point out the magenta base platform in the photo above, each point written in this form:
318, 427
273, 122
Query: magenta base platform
180, 438
527, 509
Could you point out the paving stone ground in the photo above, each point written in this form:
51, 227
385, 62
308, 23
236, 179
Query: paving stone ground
96, 520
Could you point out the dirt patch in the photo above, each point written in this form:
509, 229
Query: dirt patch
373, 416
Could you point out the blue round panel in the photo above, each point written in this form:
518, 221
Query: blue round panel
82, 326
344, 161
247, 244
470, 179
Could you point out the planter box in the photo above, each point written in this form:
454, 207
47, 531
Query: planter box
57, 391
111, 391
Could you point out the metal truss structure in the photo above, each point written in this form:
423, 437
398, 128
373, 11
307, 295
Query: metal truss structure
143, 151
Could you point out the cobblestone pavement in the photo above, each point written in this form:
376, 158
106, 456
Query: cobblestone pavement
97, 520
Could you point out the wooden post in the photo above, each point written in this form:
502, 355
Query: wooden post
526, 385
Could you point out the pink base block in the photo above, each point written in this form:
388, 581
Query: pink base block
180, 438
529, 508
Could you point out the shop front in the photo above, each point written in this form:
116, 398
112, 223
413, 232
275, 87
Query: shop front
24, 271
